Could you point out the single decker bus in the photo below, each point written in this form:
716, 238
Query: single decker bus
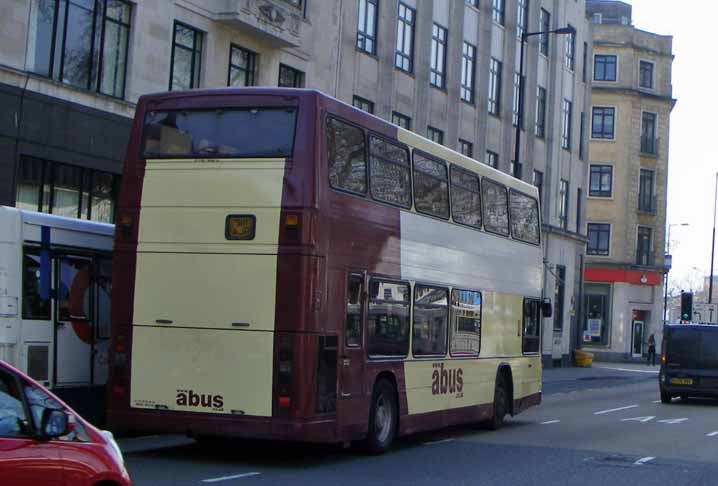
290, 267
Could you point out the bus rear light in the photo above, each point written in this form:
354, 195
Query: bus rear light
292, 227
285, 402
118, 391
124, 224
285, 370
663, 358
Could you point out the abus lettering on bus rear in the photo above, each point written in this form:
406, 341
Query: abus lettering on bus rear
445, 381
188, 398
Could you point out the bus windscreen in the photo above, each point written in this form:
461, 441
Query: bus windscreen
245, 132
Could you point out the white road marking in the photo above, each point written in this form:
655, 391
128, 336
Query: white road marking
652, 372
615, 409
644, 460
673, 421
639, 419
442, 441
656, 401
712, 434
227, 478
550, 422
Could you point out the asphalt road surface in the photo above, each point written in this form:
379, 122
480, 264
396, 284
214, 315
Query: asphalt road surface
604, 426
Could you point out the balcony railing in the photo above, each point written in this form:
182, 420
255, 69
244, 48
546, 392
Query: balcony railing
645, 259
647, 203
277, 21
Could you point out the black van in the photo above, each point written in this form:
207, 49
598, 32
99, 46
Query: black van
689, 361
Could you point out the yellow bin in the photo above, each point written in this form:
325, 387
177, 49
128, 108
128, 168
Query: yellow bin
583, 359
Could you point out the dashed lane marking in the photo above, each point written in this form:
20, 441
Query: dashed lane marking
442, 441
227, 478
643, 460
602, 412
652, 372
712, 434
672, 421
639, 419
656, 401
550, 422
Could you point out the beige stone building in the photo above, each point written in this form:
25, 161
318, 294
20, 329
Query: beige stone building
626, 207
71, 72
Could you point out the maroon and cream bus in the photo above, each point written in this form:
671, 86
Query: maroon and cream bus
290, 267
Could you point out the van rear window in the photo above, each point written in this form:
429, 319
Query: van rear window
695, 349
246, 132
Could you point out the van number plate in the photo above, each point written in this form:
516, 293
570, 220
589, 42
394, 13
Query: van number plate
681, 381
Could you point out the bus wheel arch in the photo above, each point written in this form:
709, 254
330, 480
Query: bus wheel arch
383, 423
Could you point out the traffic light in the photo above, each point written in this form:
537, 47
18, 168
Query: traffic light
686, 306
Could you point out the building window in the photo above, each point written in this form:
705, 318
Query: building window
66, 190
582, 137
570, 59
604, 67
468, 61
186, 57
646, 75
401, 120
600, 181
522, 17
516, 169
435, 135
492, 159
438, 56
563, 204
643, 246
579, 197
646, 192
466, 148
497, 11
494, 87
566, 118
366, 26
404, 59
363, 104
242, 66
559, 297
584, 65
544, 26
517, 111
541, 112
597, 18
290, 77
473, 3
602, 124
648, 134
538, 182
83, 44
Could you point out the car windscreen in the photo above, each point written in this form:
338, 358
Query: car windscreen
693, 349
245, 132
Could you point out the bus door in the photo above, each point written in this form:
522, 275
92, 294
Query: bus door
74, 336
351, 363
102, 293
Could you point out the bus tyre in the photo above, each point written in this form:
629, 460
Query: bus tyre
500, 404
665, 397
383, 418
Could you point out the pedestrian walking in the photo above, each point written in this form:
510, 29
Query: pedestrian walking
651, 350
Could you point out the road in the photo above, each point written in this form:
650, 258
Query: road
595, 427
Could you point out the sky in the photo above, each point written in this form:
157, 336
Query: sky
693, 151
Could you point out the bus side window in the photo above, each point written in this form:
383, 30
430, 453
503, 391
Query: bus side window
465, 322
532, 326
33, 306
354, 311
346, 154
524, 218
496, 211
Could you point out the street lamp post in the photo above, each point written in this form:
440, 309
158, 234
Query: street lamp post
713, 244
524, 36
665, 285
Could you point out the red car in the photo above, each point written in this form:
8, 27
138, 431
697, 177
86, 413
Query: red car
44, 442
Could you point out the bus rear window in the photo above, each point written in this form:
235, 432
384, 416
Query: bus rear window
247, 132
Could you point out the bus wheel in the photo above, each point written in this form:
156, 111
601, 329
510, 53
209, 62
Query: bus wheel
382, 418
500, 404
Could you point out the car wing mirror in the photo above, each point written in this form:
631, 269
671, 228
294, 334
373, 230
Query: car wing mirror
546, 307
55, 423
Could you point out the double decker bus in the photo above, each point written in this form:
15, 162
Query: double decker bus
294, 268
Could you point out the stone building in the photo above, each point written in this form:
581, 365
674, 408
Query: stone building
628, 164
70, 74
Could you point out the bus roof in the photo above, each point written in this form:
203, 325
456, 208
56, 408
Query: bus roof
61, 222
